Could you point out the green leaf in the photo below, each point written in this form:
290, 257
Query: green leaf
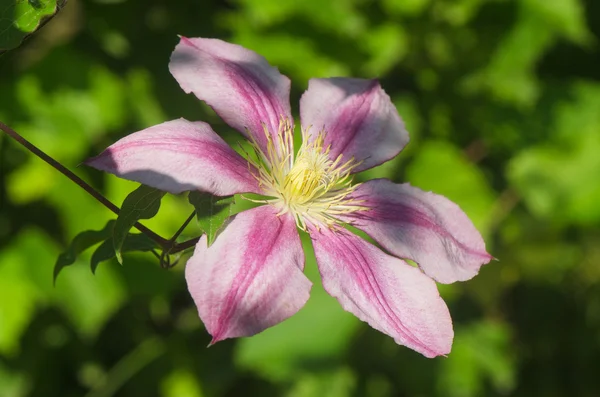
18, 300
558, 178
181, 383
386, 45
20, 18
331, 382
133, 242
211, 211
567, 17
142, 203
80, 243
89, 301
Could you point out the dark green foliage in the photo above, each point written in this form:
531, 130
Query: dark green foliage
501, 99
132, 243
142, 203
80, 243
211, 211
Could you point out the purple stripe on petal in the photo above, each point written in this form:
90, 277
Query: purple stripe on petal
388, 294
422, 226
358, 117
251, 277
237, 83
177, 156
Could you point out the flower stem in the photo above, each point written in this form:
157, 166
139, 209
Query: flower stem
80, 182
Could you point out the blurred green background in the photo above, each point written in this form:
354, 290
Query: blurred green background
502, 101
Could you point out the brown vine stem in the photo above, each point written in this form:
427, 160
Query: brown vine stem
168, 250
184, 245
80, 182
182, 228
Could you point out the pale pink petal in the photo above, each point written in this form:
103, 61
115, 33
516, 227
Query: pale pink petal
422, 226
384, 291
251, 277
177, 156
358, 118
237, 83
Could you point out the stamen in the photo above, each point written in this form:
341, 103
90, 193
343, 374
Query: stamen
310, 186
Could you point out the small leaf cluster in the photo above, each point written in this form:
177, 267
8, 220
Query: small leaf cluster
115, 238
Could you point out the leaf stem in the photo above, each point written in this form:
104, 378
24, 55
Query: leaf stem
80, 182
165, 259
184, 245
182, 228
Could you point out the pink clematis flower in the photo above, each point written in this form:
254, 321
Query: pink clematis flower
251, 277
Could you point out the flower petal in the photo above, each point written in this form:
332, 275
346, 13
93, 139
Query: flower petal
251, 277
393, 297
358, 117
177, 156
237, 83
422, 226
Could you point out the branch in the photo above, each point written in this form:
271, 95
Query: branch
184, 245
165, 261
80, 182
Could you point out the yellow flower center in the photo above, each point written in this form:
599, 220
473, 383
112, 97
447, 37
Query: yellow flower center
308, 175
311, 186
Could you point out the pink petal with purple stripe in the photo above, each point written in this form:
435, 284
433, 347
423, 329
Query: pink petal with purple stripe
358, 117
237, 83
422, 226
251, 277
177, 156
387, 293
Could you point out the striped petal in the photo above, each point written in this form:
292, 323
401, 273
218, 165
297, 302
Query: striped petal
251, 277
422, 226
240, 85
177, 156
387, 293
358, 118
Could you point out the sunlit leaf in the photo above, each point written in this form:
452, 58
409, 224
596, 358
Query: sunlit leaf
26, 289
510, 74
19, 18
18, 298
142, 203
89, 300
338, 382
386, 45
211, 211
558, 179
181, 383
80, 243
565, 16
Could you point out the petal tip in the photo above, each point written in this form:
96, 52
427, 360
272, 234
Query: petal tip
97, 162
185, 40
216, 338
438, 348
